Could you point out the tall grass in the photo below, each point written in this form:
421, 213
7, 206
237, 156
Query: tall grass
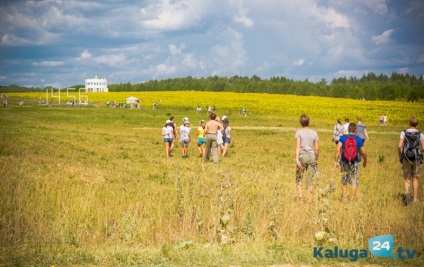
91, 186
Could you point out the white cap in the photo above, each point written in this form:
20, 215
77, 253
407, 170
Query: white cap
224, 117
185, 119
168, 121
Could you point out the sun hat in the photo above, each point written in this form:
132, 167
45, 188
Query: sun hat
185, 119
224, 117
168, 121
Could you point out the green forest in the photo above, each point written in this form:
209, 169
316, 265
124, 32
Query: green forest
370, 86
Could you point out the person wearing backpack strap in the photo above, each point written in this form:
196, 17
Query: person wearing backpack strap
347, 160
410, 149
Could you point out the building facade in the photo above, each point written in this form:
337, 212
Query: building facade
96, 85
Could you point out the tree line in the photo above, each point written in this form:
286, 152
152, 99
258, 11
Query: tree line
370, 86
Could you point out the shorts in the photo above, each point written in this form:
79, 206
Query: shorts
381, 121
201, 141
185, 142
411, 169
167, 140
227, 140
350, 173
309, 165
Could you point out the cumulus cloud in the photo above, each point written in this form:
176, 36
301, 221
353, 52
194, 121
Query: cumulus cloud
403, 70
229, 54
421, 58
132, 41
47, 63
350, 73
379, 6
382, 38
241, 16
110, 60
299, 62
174, 50
167, 15
189, 60
13, 40
164, 69
85, 54
332, 18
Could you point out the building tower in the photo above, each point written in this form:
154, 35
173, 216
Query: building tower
96, 85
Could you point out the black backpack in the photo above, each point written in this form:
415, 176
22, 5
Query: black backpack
411, 146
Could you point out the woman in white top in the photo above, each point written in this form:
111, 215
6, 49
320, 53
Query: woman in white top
168, 137
338, 131
227, 136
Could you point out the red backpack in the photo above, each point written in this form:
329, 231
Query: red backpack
349, 151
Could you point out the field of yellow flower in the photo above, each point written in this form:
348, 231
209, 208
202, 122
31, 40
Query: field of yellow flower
92, 186
264, 104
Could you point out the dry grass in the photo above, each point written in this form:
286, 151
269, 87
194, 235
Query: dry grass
92, 187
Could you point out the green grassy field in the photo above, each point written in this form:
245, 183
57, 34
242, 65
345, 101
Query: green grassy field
92, 187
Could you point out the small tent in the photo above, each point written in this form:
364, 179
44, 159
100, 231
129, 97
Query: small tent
131, 100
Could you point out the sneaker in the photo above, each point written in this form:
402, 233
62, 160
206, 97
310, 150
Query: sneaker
406, 198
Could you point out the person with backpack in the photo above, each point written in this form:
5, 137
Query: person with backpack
411, 158
347, 160
307, 152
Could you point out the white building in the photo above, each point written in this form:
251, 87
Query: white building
96, 85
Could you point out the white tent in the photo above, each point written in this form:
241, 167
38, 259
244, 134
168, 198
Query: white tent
131, 100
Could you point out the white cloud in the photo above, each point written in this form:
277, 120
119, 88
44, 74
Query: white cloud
421, 58
167, 15
54, 85
332, 18
2, 78
229, 54
189, 61
299, 62
241, 14
85, 54
12, 40
163, 69
403, 70
110, 60
107, 58
47, 63
379, 6
350, 73
383, 38
174, 50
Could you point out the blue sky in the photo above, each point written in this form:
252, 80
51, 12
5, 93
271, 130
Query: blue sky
62, 42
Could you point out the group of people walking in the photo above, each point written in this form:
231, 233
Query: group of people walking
213, 137
350, 151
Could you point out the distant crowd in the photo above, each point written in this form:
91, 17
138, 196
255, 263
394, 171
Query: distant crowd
213, 137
